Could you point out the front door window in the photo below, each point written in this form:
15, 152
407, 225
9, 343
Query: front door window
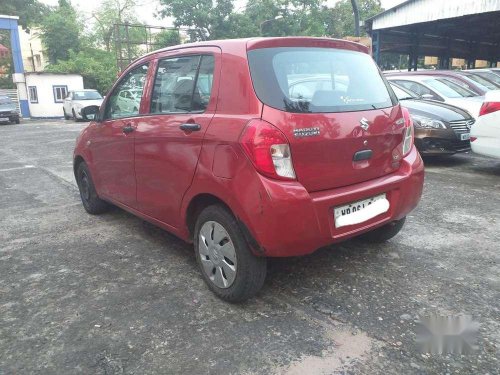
125, 101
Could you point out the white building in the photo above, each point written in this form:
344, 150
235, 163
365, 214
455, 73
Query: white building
46, 92
34, 53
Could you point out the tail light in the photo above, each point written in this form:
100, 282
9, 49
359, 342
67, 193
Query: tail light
489, 107
408, 132
268, 149
472, 139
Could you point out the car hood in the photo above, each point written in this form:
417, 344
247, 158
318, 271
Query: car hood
86, 103
7, 107
435, 110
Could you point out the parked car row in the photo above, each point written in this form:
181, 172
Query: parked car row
472, 93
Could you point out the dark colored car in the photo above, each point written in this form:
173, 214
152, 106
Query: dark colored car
440, 129
222, 152
8, 111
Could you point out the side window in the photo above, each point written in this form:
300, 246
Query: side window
183, 84
418, 89
60, 92
33, 94
120, 103
201, 96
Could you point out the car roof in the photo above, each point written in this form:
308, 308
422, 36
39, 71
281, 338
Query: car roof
254, 43
416, 78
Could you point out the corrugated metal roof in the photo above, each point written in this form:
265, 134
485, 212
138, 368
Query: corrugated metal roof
418, 11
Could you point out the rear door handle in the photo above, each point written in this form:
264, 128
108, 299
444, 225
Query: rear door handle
190, 127
128, 129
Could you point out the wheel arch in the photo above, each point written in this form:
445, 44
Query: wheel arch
197, 204
76, 163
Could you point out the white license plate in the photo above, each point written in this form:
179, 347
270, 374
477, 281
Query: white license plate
465, 136
4, 119
360, 211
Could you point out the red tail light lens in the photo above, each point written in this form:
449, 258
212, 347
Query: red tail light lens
472, 139
489, 107
268, 149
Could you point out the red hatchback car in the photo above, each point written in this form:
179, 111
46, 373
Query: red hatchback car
269, 147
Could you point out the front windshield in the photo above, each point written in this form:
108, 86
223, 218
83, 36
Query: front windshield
448, 89
87, 95
5, 100
403, 94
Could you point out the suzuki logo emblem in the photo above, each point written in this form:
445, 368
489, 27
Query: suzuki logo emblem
364, 124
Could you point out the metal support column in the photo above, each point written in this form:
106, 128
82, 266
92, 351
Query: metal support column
414, 52
376, 46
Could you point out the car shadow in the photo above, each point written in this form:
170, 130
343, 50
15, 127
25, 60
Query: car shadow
447, 161
333, 263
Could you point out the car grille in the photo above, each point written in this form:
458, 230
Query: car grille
462, 126
4, 113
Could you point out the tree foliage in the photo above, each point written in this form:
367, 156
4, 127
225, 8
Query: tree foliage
109, 13
206, 17
212, 19
97, 67
166, 38
340, 19
61, 32
30, 12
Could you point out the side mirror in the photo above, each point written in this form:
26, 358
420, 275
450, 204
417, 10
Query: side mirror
427, 96
90, 113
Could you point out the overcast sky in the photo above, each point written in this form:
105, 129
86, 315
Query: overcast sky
147, 8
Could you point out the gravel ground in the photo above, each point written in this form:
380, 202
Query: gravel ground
115, 295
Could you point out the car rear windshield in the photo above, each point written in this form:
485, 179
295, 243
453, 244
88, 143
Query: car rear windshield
313, 80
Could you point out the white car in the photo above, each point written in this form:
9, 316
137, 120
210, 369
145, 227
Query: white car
441, 89
485, 133
79, 99
129, 101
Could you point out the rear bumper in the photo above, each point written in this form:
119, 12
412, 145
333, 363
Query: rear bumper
12, 117
487, 146
439, 142
293, 222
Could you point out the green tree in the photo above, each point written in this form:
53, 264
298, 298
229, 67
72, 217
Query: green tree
97, 67
339, 20
166, 38
30, 12
110, 13
206, 18
60, 32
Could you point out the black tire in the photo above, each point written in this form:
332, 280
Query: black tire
384, 233
250, 270
91, 201
66, 117
17, 121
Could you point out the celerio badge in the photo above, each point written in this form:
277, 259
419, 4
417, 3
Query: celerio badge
364, 124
